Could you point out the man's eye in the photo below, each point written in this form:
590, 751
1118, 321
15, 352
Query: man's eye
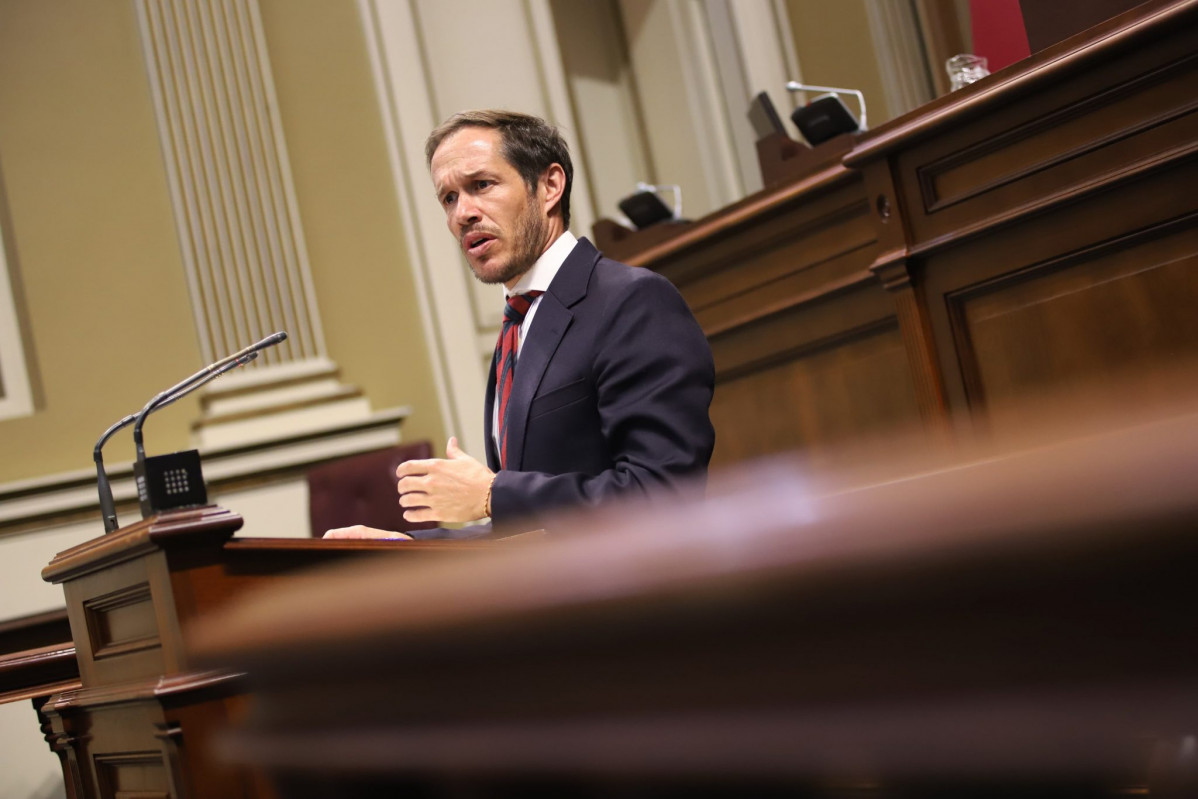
448, 199
482, 184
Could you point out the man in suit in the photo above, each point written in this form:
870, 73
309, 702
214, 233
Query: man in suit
602, 379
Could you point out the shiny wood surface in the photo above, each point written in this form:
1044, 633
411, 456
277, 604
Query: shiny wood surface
137, 718
1016, 617
1033, 233
37, 657
40, 671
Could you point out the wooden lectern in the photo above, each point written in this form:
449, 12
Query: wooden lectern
139, 723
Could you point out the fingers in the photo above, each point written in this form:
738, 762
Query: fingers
417, 468
413, 500
417, 483
420, 515
452, 450
360, 531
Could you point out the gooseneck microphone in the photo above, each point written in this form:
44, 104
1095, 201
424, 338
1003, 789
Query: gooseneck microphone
176, 392
107, 504
201, 377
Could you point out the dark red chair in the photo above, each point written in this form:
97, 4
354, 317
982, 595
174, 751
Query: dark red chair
360, 489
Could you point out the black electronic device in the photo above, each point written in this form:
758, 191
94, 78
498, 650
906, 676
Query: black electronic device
763, 116
825, 117
645, 208
170, 481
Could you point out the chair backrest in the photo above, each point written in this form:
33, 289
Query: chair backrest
360, 489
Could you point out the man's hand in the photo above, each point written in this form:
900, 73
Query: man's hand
450, 490
362, 531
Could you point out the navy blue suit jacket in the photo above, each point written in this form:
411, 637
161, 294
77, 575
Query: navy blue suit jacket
611, 392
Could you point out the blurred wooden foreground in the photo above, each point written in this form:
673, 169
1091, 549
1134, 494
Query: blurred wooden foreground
990, 620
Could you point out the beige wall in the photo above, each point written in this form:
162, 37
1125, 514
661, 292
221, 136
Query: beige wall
343, 180
93, 241
832, 38
92, 238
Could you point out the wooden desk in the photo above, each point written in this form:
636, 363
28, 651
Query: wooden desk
1014, 623
1034, 233
37, 660
138, 722
37, 657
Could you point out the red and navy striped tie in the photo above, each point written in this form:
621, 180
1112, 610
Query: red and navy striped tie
505, 362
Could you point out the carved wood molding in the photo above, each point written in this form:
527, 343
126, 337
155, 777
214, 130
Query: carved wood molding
209, 526
1090, 106
1155, 19
171, 690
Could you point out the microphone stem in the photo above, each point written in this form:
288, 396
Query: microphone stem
107, 504
178, 392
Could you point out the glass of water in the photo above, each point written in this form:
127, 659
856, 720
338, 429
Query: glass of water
965, 68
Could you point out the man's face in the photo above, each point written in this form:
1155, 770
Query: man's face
488, 207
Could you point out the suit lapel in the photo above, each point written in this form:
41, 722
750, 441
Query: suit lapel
549, 325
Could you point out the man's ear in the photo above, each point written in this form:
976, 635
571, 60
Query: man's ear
553, 184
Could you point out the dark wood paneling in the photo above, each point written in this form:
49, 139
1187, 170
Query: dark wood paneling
133, 774
1050, 21
39, 629
97, 616
1115, 311
1016, 623
38, 672
1130, 114
854, 388
1148, 222
1094, 138
1080, 148
121, 621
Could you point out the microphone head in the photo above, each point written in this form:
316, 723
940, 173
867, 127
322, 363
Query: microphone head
274, 338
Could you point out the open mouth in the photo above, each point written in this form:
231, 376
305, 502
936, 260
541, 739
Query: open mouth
476, 243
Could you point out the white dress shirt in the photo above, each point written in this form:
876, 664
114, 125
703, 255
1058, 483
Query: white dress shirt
537, 278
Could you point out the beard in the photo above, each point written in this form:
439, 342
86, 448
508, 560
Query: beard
527, 240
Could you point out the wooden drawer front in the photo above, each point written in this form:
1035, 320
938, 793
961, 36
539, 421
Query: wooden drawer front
121, 621
124, 755
760, 255
114, 624
812, 377
1095, 130
816, 263
133, 775
793, 250
1083, 320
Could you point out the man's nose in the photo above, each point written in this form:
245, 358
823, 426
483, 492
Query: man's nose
465, 212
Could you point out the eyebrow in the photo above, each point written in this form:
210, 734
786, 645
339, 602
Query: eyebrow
468, 176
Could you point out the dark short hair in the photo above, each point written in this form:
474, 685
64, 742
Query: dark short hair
530, 144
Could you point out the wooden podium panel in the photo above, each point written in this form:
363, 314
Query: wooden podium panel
139, 724
1050, 21
807, 345
1009, 622
1032, 234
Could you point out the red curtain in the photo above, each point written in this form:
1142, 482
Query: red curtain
998, 32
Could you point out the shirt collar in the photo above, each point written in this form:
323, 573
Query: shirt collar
545, 269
